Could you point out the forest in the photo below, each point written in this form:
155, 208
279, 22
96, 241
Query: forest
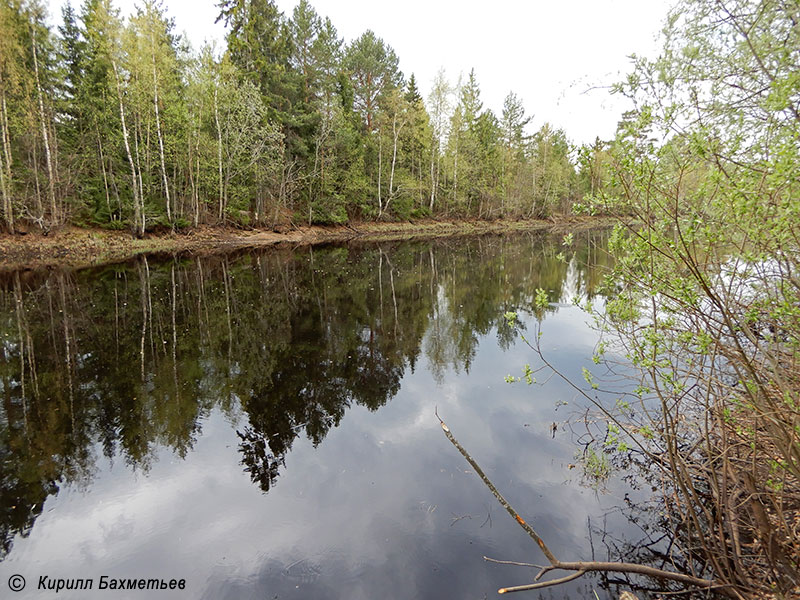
119, 123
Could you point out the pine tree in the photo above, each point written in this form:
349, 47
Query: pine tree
259, 44
373, 68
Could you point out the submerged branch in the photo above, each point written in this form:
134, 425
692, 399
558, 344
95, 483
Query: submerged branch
579, 567
503, 502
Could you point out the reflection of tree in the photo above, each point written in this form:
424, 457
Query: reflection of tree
651, 542
335, 350
489, 276
130, 358
39, 442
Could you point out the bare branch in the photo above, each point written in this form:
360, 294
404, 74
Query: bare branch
542, 584
579, 567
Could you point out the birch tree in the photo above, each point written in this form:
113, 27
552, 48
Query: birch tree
11, 62
156, 90
439, 104
44, 119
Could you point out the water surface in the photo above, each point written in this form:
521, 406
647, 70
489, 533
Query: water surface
262, 423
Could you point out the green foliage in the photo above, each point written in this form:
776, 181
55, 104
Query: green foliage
542, 299
286, 123
373, 69
596, 466
705, 296
589, 378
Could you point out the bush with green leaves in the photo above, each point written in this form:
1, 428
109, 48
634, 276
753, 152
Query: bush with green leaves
706, 288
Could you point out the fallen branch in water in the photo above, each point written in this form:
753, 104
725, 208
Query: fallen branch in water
579, 567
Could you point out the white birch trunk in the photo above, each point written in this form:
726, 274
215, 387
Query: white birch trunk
434, 156
158, 131
8, 216
396, 135
197, 165
380, 170
138, 211
5, 165
51, 188
455, 173
219, 152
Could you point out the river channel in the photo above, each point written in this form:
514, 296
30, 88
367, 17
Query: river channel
261, 423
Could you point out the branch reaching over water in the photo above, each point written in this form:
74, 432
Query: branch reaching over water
579, 567
503, 502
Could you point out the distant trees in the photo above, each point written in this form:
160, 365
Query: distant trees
119, 123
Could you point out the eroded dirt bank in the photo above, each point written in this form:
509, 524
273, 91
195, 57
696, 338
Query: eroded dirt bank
75, 247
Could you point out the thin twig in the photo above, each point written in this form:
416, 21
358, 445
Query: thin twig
512, 562
488, 518
542, 584
457, 518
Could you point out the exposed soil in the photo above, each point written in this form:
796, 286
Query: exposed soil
76, 247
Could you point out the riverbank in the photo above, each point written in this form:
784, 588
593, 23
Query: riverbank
77, 247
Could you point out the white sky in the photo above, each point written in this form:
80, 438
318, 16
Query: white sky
549, 52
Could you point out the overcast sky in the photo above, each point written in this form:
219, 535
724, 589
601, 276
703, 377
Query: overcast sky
548, 52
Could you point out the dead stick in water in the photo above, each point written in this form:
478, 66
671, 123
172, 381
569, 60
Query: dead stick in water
580, 567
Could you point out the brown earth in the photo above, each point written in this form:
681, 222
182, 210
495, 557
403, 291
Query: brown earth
76, 247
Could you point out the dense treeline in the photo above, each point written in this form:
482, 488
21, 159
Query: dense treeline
118, 122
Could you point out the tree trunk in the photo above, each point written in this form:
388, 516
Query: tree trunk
5, 149
396, 135
137, 155
54, 219
434, 153
455, 174
5, 164
194, 169
219, 153
158, 131
380, 169
35, 161
8, 216
138, 212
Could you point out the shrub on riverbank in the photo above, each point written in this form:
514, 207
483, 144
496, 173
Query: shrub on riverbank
707, 290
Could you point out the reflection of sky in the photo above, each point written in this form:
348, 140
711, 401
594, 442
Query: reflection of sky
385, 507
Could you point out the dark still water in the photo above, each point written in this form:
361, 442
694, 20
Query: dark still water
261, 424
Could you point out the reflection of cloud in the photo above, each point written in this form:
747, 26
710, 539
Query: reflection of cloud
383, 502
356, 512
